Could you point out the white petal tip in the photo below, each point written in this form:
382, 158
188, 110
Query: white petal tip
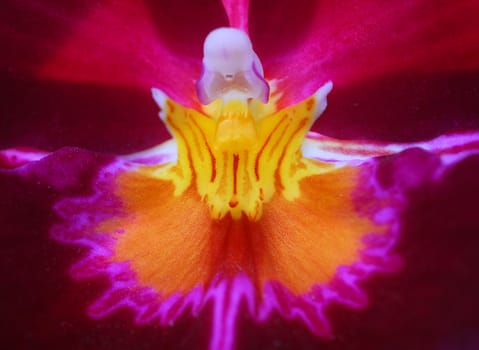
160, 98
321, 98
324, 90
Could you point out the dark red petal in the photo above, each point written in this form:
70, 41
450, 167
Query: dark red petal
435, 293
30, 30
403, 107
432, 303
42, 307
52, 114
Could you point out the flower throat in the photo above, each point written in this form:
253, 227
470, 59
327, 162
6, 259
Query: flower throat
240, 152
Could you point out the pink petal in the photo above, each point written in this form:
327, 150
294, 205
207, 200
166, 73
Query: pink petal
79, 75
403, 70
353, 41
124, 43
237, 12
128, 43
413, 86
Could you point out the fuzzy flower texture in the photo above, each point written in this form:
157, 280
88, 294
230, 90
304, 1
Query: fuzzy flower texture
238, 219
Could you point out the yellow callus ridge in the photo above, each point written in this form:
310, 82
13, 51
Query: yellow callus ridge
238, 157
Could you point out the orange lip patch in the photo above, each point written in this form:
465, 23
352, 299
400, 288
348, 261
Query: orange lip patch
173, 244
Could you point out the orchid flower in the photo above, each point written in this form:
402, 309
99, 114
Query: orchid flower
238, 219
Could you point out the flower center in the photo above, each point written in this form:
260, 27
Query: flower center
238, 155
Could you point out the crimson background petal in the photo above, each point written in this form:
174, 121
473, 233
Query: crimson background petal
403, 70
